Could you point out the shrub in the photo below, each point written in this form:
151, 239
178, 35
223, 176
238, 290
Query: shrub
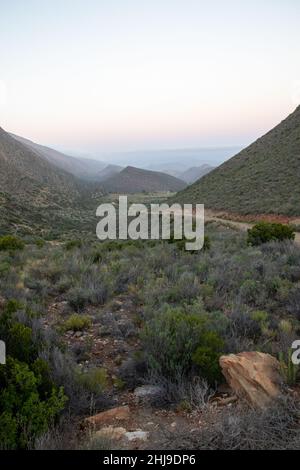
77, 322
9, 242
24, 414
274, 428
175, 341
264, 232
70, 245
40, 242
206, 356
94, 380
29, 399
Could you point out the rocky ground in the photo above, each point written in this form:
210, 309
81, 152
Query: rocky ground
133, 422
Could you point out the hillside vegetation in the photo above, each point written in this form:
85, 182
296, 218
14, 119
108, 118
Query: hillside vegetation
38, 196
263, 178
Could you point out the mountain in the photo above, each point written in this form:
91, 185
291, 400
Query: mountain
81, 167
36, 195
171, 161
263, 178
195, 172
136, 180
109, 171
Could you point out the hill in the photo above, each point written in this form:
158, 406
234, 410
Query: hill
36, 195
194, 173
263, 178
108, 171
80, 167
136, 180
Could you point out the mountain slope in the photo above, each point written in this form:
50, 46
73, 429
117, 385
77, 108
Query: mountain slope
36, 196
136, 180
194, 173
263, 178
81, 167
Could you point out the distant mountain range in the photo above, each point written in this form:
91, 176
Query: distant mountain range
262, 178
137, 180
172, 161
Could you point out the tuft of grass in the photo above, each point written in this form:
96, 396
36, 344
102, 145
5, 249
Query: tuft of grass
77, 322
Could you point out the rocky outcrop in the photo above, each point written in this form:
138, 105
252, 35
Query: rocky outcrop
253, 376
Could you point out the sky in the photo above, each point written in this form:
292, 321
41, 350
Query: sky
119, 75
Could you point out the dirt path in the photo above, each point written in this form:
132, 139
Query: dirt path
243, 226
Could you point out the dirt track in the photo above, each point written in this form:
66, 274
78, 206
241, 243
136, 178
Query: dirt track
240, 225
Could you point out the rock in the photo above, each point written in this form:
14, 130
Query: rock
120, 413
254, 376
78, 334
148, 392
110, 432
137, 435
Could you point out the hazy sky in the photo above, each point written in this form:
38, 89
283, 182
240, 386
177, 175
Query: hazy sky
116, 75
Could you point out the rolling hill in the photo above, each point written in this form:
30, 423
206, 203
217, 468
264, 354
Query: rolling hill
264, 178
85, 168
135, 180
194, 173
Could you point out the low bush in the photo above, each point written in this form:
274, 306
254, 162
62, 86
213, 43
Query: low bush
70, 245
77, 322
264, 232
29, 399
175, 342
94, 380
11, 243
275, 428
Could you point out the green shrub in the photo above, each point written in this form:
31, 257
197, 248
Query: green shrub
24, 414
10, 242
206, 356
40, 242
264, 232
77, 322
70, 245
174, 342
181, 243
94, 380
29, 399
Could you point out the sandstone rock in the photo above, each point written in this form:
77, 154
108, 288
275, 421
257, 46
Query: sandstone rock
254, 376
137, 435
121, 413
111, 432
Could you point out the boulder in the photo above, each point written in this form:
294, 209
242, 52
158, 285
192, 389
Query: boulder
148, 392
121, 413
253, 376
